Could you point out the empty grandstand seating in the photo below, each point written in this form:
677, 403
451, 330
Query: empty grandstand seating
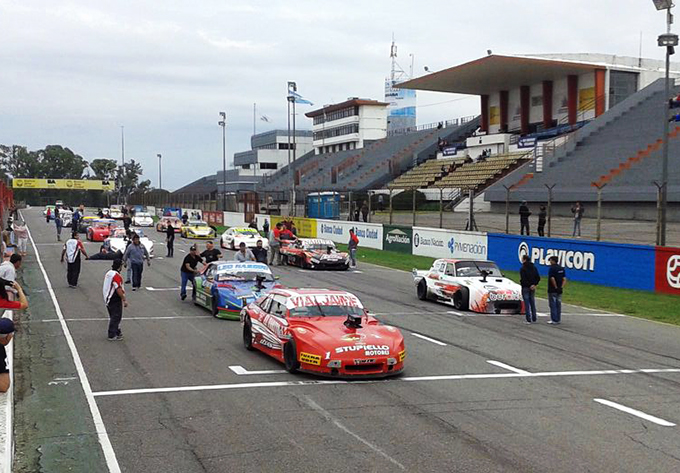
426, 174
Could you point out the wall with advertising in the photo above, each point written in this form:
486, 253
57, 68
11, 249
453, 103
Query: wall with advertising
397, 238
370, 234
306, 227
608, 264
440, 243
234, 219
213, 218
667, 270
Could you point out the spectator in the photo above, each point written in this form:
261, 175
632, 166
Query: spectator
352, 247
260, 252
243, 254
524, 218
185, 218
72, 250
557, 280
59, 223
381, 202
529, 279
127, 221
364, 211
357, 211
253, 224
8, 269
48, 214
211, 253
542, 218
578, 210
275, 245
136, 253
170, 240
188, 271
21, 237
6, 335
265, 227
114, 299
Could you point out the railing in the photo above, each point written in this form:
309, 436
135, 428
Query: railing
429, 126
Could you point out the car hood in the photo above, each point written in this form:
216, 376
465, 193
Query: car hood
200, 230
323, 256
244, 290
493, 284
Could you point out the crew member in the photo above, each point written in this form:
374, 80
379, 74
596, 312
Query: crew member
557, 280
170, 239
260, 252
188, 271
114, 299
352, 246
136, 253
243, 254
72, 250
529, 279
211, 253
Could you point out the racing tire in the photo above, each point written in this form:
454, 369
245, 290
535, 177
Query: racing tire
461, 299
248, 335
422, 290
215, 309
290, 357
233, 247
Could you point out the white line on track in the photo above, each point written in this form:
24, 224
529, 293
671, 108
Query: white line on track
406, 379
103, 436
331, 418
636, 413
507, 367
183, 251
241, 371
423, 337
148, 288
97, 319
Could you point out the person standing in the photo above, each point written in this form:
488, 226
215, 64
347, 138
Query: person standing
170, 240
275, 244
243, 255
211, 253
59, 223
72, 250
188, 271
185, 218
352, 246
260, 252
265, 227
114, 299
557, 280
524, 214
364, 211
578, 210
381, 203
542, 218
529, 279
75, 220
21, 237
127, 221
48, 215
135, 254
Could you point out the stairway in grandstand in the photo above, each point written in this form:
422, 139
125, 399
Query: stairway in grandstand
369, 167
626, 136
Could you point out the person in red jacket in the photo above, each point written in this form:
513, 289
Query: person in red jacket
7, 326
352, 246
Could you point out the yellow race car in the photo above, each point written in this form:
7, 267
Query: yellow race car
198, 229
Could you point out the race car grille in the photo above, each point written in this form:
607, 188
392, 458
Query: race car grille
365, 367
510, 305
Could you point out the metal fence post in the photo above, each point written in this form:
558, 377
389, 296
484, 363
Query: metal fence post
659, 198
599, 211
351, 206
414, 207
390, 206
441, 207
550, 198
507, 209
369, 207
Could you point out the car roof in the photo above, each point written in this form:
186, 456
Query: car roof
451, 260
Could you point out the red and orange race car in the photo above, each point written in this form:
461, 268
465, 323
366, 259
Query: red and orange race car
314, 253
100, 230
323, 332
162, 224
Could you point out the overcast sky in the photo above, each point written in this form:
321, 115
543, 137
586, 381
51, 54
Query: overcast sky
74, 72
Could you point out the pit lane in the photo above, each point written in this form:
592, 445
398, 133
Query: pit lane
169, 401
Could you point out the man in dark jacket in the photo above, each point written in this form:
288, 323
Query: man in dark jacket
529, 279
524, 213
542, 218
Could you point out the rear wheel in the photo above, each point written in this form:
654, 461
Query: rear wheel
248, 335
422, 290
461, 299
233, 247
290, 357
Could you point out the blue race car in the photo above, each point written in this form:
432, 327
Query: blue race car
225, 287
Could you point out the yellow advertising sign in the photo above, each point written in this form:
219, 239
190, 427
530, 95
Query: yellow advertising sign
70, 184
586, 99
494, 116
306, 227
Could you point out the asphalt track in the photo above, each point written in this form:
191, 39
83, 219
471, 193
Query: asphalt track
600, 393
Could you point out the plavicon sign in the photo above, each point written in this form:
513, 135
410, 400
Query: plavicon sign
570, 259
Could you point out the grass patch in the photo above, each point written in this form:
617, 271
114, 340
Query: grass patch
643, 304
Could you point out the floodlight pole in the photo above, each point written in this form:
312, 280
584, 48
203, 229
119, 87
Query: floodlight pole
550, 199
160, 174
223, 124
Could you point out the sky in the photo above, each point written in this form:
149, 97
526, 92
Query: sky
74, 72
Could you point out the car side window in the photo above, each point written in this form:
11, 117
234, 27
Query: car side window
440, 267
278, 307
450, 271
264, 305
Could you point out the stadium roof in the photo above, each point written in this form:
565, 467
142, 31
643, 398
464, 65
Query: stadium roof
348, 103
493, 73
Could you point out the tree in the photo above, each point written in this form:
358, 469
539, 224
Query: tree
127, 178
104, 169
61, 163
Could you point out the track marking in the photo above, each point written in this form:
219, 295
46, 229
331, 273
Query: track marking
98, 319
636, 413
406, 379
102, 435
335, 421
149, 288
507, 367
241, 371
357, 271
437, 342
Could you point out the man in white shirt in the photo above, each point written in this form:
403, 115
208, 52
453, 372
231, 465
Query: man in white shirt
8, 269
243, 254
72, 249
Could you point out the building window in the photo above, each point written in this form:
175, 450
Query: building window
337, 131
621, 86
285, 145
245, 166
336, 115
268, 166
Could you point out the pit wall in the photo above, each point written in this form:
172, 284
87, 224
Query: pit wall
620, 265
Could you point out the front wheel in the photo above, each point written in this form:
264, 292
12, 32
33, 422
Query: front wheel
461, 299
290, 357
422, 290
215, 308
248, 336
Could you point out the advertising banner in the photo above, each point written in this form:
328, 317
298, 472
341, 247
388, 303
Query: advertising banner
370, 234
213, 218
70, 184
608, 264
450, 151
667, 270
441, 243
234, 219
306, 227
397, 238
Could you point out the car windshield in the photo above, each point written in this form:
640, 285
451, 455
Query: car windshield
326, 311
142, 214
245, 231
243, 276
475, 268
198, 224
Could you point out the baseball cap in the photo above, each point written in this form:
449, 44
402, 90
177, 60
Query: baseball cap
6, 326
193, 248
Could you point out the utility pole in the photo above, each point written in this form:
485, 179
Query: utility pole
292, 86
160, 174
223, 124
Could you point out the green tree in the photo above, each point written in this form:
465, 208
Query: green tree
61, 163
104, 169
127, 178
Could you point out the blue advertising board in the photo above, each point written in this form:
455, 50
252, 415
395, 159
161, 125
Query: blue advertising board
608, 264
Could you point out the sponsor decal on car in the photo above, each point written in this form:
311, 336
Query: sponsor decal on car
369, 350
346, 300
310, 358
503, 296
353, 337
365, 361
402, 355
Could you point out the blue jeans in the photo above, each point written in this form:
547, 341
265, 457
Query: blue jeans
577, 227
353, 256
137, 269
186, 277
555, 303
529, 297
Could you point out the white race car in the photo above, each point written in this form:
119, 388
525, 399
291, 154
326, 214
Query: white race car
117, 241
116, 212
142, 219
234, 236
478, 286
